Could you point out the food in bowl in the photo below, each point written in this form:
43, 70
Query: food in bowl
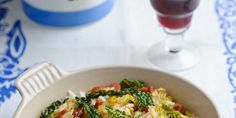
44, 83
127, 99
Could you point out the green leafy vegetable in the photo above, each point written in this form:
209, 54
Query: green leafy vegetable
51, 108
132, 87
102, 93
81, 101
144, 99
114, 113
169, 112
90, 109
125, 83
129, 87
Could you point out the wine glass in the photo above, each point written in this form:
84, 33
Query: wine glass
174, 53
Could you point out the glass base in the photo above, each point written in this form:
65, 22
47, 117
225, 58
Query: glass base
160, 56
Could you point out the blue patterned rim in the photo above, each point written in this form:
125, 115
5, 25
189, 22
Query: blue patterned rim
68, 18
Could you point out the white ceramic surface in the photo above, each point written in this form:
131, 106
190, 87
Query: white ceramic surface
64, 5
45, 83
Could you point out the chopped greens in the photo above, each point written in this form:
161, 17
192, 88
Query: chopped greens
102, 93
167, 112
130, 84
80, 101
144, 99
90, 109
50, 109
129, 87
114, 113
131, 100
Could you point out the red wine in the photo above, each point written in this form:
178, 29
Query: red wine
174, 14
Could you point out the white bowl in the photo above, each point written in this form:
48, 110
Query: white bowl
45, 83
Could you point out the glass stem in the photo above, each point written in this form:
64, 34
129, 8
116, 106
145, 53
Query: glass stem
174, 40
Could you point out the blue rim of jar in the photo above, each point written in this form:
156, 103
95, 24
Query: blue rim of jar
64, 19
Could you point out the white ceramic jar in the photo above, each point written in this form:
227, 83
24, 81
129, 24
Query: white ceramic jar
66, 12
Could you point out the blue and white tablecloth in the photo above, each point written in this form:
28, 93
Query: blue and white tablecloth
120, 38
